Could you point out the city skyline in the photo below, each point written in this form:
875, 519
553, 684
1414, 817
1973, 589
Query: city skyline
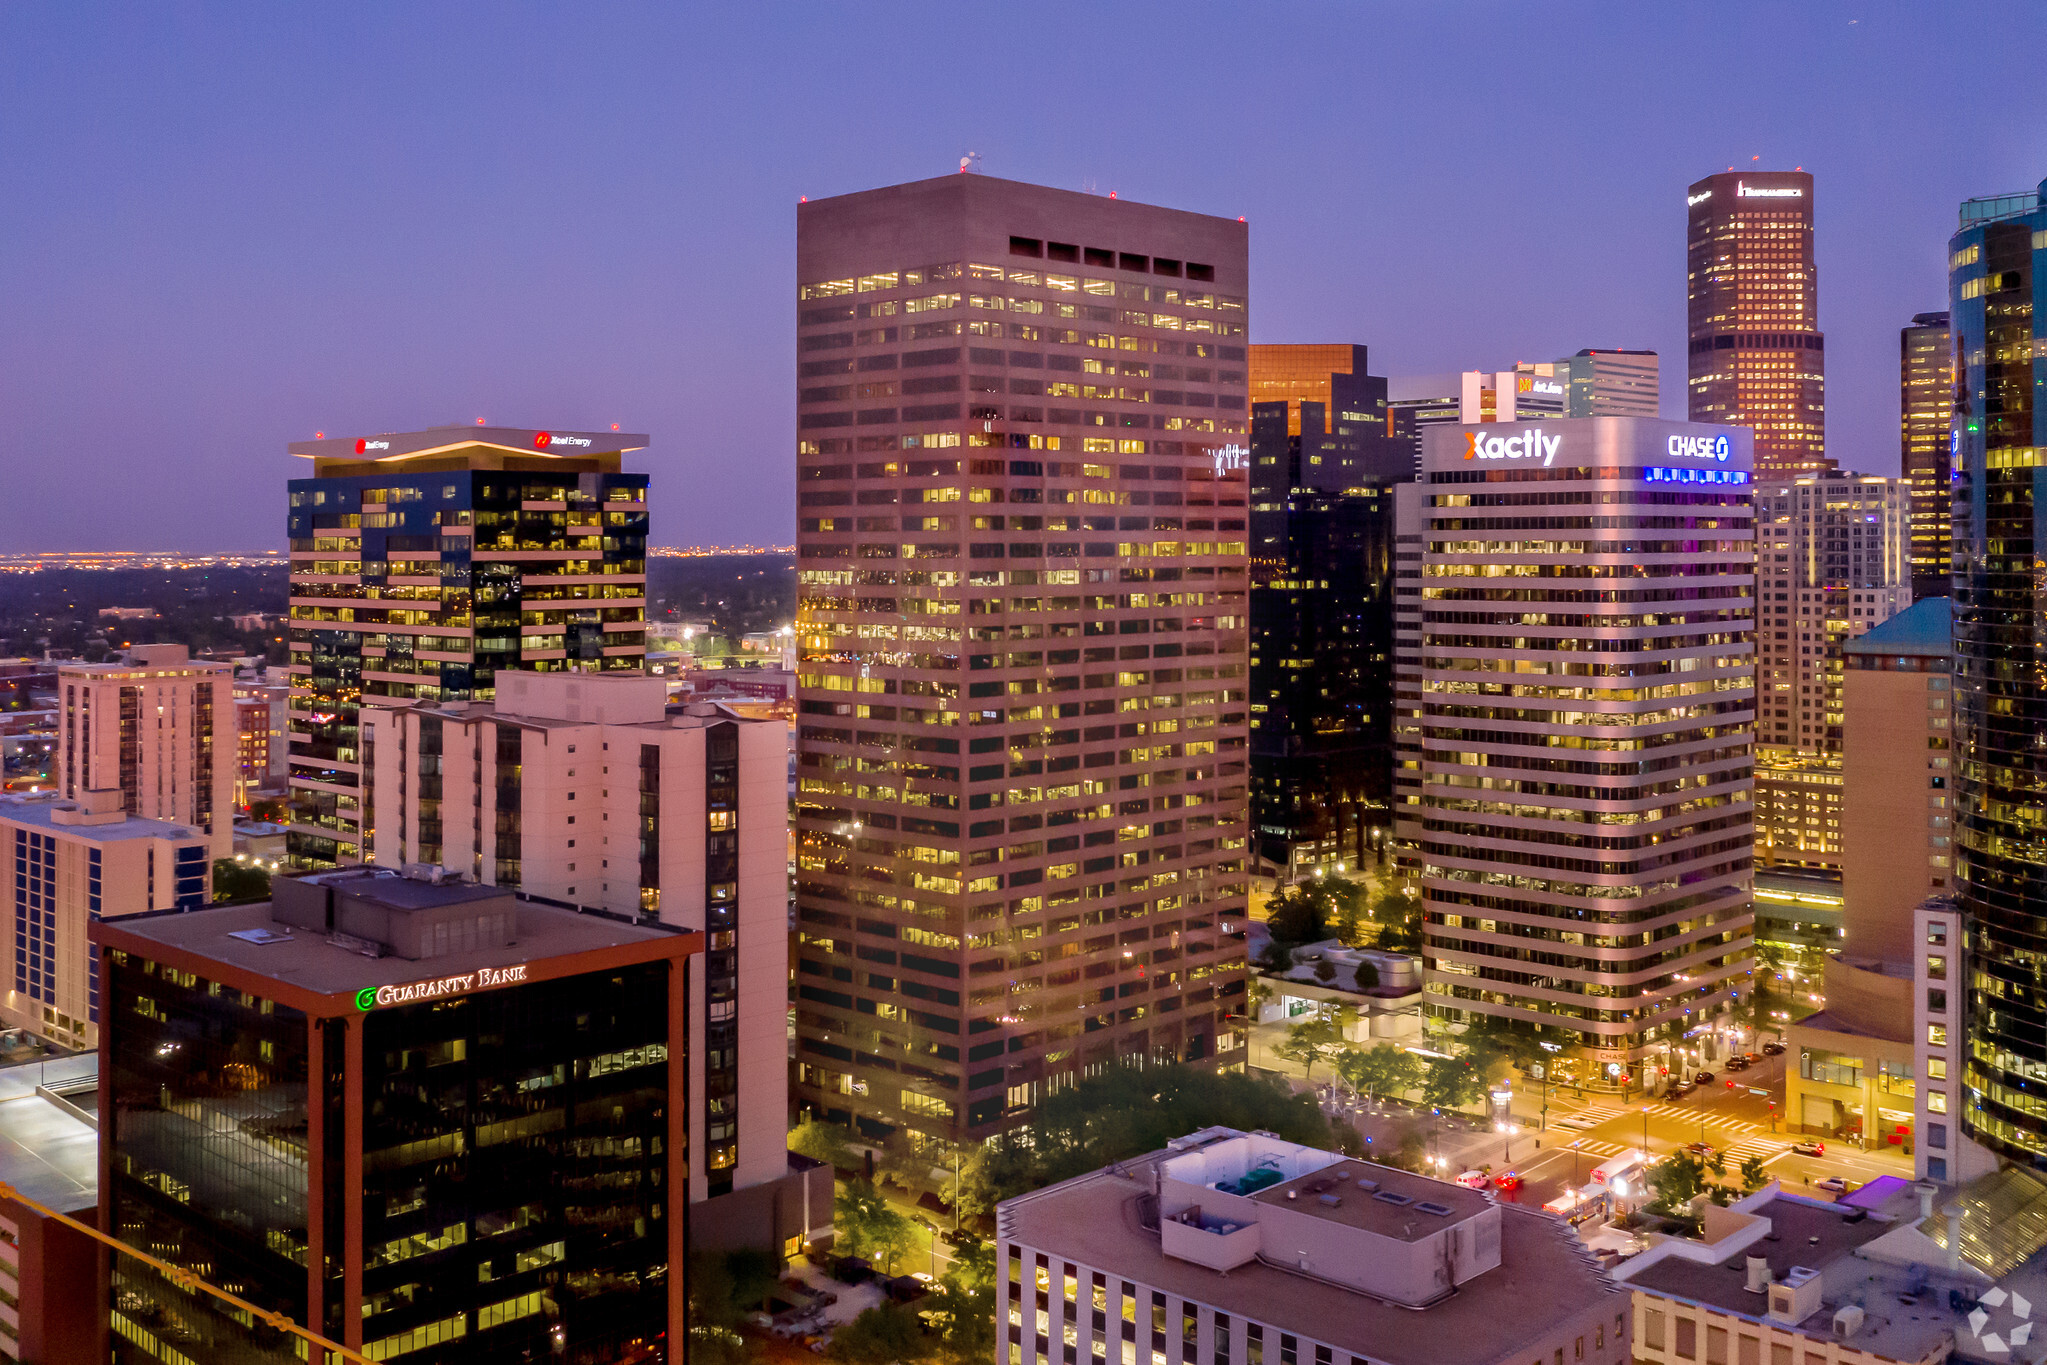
273, 286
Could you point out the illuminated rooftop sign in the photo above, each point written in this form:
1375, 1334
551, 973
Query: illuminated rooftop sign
1720, 476
369, 997
1699, 447
1744, 190
1530, 444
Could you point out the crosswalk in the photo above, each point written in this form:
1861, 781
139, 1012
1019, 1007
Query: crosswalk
1765, 1147
1596, 1147
1672, 1111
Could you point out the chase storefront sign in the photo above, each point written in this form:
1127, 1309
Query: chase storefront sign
370, 997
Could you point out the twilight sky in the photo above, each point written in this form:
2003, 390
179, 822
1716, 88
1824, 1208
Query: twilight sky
224, 227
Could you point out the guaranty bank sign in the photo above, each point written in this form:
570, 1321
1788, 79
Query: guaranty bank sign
369, 997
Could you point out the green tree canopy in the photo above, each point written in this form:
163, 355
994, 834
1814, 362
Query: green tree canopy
239, 882
1382, 1070
830, 1143
1128, 1111
1367, 976
868, 1226
1451, 1082
1317, 1037
1297, 916
887, 1334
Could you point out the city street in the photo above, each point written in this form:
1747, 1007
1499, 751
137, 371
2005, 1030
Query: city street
1582, 1133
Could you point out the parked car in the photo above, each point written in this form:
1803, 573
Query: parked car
1773, 1049
1752, 1057
1737, 1063
1809, 1148
1577, 1121
1832, 1184
1680, 1090
1703, 1078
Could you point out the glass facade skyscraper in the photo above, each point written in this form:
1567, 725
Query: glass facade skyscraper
2000, 538
424, 562
1323, 471
1926, 406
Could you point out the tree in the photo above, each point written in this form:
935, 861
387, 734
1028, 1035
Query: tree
1129, 1110
1753, 1176
1382, 1070
1325, 970
1297, 916
1678, 1179
1316, 1037
963, 1305
1451, 1082
883, 1335
713, 1316
868, 1227
1394, 906
830, 1143
1367, 977
1276, 958
239, 882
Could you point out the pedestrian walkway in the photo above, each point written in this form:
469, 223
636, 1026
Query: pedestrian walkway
1706, 1116
1767, 1147
1591, 1116
1595, 1147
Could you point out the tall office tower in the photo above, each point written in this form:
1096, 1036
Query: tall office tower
1315, 373
1832, 560
1409, 522
1757, 357
159, 727
1585, 832
1611, 383
66, 864
1926, 408
430, 1122
1323, 472
1995, 300
1021, 801
423, 562
530, 791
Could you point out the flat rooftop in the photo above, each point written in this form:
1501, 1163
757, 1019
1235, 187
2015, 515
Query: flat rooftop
47, 1154
34, 812
1357, 1207
308, 960
1817, 1236
1545, 1278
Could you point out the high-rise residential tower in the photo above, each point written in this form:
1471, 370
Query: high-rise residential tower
423, 562
1757, 358
1926, 407
1323, 471
1021, 801
159, 727
1831, 562
1997, 297
1587, 677
592, 791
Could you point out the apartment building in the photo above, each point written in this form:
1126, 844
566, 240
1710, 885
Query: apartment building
159, 727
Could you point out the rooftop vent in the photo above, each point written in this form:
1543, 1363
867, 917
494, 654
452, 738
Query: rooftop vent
259, 935
1368, 1185
1332, 1200
1389, 1197
1431, 1206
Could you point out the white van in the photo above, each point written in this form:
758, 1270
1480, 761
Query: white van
1627, 1166
1573, 1205
1474, 1180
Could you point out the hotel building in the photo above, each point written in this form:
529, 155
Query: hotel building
1587, 677
1832, 560
1757, 357
157, 726
429, 1121
1021, 799
1996, 296
1233, 1248
1926, 408
589, 790
1323, 471
424, 562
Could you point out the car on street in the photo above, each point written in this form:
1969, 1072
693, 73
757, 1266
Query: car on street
1752, 1057
1703, 1078
1702, 1150
1680, 1090
1773, 1049
1832, 1184
1473, 1180
1737, 1063
1577, 1121
1507, 1181
1809, 1148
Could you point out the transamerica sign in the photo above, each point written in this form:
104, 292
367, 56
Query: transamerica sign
369, 997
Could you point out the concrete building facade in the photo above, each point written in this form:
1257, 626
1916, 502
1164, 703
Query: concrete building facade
159, 727
1832, 560
1584, 833
1021, 804
65, 865
588, 790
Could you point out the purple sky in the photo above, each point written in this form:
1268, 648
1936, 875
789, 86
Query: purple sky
227, 227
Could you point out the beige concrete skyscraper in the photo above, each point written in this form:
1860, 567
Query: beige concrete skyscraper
1021, 805
1581, 820
159, 726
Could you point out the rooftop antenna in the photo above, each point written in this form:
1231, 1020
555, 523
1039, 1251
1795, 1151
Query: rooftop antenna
970, 161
